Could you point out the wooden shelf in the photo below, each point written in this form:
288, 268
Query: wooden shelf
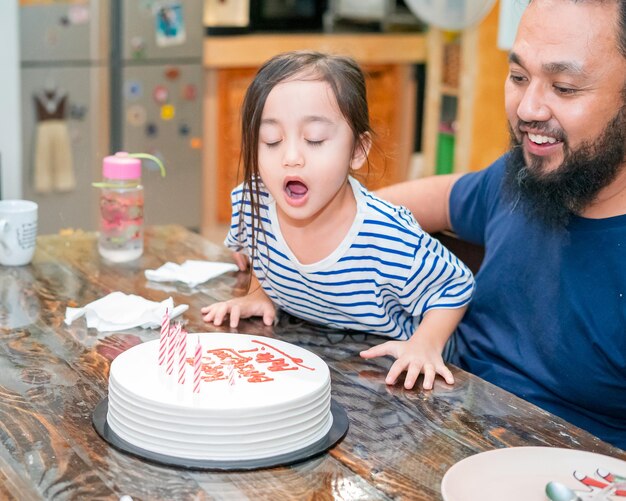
482, 69
436, 90
447, 90
369, 48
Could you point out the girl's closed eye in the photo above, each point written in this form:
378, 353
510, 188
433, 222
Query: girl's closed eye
270, 139
315, 142
317, 132
270, 135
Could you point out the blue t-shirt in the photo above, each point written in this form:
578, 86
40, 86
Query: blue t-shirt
548, 318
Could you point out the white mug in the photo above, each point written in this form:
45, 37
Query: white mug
18, 231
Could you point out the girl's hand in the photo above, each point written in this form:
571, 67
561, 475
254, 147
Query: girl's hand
415, 357
241, 260
421, 353
254, 304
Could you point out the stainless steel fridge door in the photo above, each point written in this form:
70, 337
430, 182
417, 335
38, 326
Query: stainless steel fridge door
86, 123
64, 50
162, 30
162, 115
64, 31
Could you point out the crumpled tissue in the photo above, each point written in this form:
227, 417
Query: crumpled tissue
190, 272
118, 311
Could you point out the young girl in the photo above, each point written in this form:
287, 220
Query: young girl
322, 247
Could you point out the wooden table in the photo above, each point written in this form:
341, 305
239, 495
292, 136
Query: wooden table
399, 445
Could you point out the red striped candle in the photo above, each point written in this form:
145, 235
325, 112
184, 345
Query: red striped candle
182, 353
165, 330
171, 349
197, 367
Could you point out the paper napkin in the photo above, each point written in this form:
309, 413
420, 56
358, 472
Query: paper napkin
190, 272
118, 311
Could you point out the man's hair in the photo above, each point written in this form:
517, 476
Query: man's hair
621, 21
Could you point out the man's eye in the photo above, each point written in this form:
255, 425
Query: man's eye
517, 78
565, 91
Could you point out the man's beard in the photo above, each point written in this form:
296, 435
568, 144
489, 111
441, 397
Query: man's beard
552, 197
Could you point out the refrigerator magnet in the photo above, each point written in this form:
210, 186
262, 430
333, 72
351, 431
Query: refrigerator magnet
138, 47
78, 14
152, 130
132, 90
136, 115
167, 112
189, 92
170, 25
77, 111
160, 94
184, 129
172, 73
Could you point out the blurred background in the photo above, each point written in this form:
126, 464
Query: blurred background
86, 78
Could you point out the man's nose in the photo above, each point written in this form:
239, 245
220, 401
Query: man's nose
533, 106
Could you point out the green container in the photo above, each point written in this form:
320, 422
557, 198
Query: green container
445, 153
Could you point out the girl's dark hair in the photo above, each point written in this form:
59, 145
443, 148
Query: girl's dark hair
347, 82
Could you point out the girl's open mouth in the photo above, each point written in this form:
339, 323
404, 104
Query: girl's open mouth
296, 189
295, 192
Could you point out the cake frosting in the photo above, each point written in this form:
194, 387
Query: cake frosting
258, 398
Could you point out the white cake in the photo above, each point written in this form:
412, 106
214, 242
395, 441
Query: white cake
276, 401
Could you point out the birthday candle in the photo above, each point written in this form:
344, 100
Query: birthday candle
588, 481
165, 330
171, 349
231, 375
197, 366
610, 477
182, 354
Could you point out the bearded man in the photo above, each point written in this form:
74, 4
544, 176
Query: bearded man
548, 319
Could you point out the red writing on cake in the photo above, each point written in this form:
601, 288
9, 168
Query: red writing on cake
250, 364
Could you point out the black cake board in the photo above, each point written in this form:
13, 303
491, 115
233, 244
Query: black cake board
337, 431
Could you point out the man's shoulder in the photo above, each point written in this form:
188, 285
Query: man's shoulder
488, 180
495, 170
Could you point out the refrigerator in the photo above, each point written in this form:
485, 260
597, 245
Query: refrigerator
65, 122
101, 76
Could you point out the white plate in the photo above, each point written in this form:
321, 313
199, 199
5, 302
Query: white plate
521, 473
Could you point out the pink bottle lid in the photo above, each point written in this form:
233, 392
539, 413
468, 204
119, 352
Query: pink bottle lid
121, 166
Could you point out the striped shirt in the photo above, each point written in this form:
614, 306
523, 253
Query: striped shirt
383, 277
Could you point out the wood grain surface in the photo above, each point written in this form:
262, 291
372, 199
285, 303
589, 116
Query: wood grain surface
399, 445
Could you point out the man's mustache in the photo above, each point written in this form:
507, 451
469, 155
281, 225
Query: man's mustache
542, 127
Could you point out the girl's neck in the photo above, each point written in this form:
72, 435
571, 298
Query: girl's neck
315, 238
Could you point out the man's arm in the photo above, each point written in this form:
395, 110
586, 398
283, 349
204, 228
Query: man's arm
427, 198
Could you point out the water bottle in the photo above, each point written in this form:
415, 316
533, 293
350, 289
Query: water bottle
121, 206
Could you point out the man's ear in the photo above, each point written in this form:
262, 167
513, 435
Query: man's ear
361, 150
